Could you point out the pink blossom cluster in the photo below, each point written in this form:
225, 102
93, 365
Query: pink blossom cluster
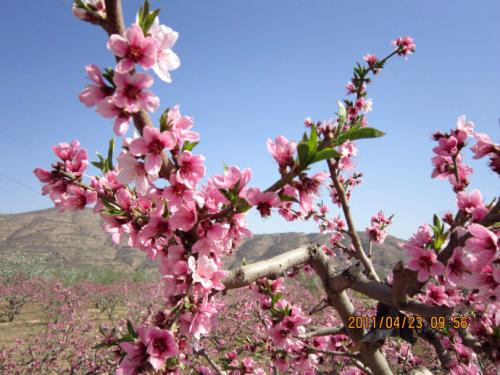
73, 162
423, 257
404, 45
284, 324
159, 198
485, 147
123, 92
448, 160
377, 230
93, 11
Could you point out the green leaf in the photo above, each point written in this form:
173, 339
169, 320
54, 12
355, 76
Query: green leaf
80, 4
342, 113
101, 331
163, 120
101, 345
109, 161
436, 221
241, 205
148, 21
227, 194
131, 330
189, 146
313, 140
112, 207
96, 164
304, 156
359, 133
326, 153
275, 298
305, 138
288, 198
143, 12
109, 74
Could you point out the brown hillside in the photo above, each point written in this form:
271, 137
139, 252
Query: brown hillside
74, 239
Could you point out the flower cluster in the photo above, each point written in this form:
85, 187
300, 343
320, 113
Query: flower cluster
448, 160
160, 199
377, 230
73, 162
123, 92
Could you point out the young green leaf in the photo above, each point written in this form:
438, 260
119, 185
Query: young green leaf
131, 330
288, 198
189, 146
342, 113
109, 161
149, 20
326, 153
359, 133
163, 120
313, 140
304, 156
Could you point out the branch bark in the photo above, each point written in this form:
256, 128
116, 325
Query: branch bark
276, 266
360, 252
271, 268
324, 331
444, 355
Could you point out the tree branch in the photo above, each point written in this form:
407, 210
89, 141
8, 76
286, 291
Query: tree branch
360, 252
324, 331
433, 338
271, 268
203, 353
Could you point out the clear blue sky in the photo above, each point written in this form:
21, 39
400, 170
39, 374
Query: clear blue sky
255, 69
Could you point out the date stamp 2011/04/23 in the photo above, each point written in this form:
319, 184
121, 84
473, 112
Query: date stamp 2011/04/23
412, 322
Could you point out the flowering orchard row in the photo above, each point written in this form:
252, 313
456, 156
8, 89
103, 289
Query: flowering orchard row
154, 197
72, 320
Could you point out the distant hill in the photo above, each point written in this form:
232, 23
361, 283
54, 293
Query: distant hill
74, 239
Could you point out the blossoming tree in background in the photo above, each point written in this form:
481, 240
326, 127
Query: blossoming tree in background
153, 198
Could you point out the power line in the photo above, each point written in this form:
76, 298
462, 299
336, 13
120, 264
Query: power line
28, 201
19, 182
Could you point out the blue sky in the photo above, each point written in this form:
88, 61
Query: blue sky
251, 70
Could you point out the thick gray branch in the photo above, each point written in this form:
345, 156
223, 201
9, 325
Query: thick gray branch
270, 268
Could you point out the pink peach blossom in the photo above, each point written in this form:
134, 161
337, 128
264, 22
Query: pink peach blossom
134, 358
191, 169
181, 125
436, 295
108, 109
160, 344
151, 144
483, 145
205, 271
472, 203
78, 198
184, 218
233, 178
405, 45
264, 201
425, 262
166, 59
282, 150
131, 170
131, 95
135, 48
93, 94
483, 247
455, 270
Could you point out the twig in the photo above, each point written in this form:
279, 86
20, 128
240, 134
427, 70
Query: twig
325, 331
204, 354
329, 352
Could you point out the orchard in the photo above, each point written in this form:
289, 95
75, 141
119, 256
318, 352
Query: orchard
437, 311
